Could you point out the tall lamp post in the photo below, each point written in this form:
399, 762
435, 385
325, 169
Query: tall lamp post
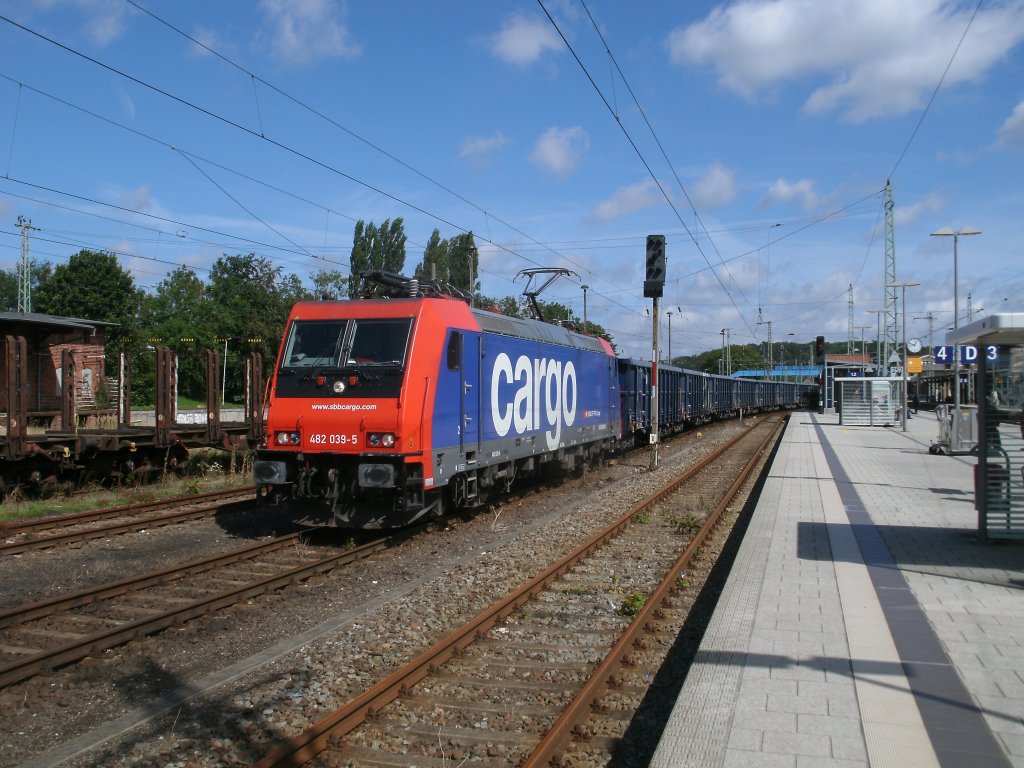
585, 287
224, 373
863, 350
669, 313
903, 287
878, 339
947, 232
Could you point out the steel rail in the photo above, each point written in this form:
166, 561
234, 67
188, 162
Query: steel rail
580, 708
50, 522
136, 524
32, 611
302, 747
22, 669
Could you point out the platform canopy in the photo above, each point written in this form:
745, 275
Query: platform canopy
1001, 328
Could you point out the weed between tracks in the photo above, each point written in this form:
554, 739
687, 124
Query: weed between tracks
633, 604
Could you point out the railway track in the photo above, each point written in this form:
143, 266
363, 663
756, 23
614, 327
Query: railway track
80, 527
40, 636
557, 667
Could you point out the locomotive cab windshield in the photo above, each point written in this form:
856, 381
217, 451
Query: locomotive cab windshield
339, 343
319, 352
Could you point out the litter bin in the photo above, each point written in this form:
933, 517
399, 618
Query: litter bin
997, 487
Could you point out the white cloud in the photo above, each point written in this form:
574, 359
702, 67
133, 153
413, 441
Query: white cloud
559, 150
303, 31
716, 188
106, 22
138, 199
104, 19
907, 214
524, 39
800, 193
1011, 134
635, 197
208, 37
878, 57
480, 148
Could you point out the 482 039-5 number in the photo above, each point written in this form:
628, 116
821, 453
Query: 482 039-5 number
320, 438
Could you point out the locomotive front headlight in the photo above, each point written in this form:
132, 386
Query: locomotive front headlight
287, 438
381, 439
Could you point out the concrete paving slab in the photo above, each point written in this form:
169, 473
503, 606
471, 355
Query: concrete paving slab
861, 581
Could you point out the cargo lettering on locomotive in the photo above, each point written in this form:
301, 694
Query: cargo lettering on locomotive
543, 381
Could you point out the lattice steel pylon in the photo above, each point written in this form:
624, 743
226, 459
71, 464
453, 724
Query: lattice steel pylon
25, 270
890, 278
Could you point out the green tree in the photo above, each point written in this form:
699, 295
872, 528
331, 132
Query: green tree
249, 305
506, 305
10, 280
454, 262
434, 265
556, 312
177, 315
292, 291
329, 284
376, 247
94, 286
464, 263
8, 290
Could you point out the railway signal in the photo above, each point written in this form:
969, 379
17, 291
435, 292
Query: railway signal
654, 282
654, 285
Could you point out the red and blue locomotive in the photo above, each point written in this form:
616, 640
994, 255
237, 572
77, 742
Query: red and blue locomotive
385, 410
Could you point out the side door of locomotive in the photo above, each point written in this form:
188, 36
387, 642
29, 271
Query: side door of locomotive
457, 410
471, 394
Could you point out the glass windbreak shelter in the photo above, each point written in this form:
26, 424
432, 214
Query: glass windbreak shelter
868, 401
999, 473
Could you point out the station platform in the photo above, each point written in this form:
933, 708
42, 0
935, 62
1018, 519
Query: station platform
863, 622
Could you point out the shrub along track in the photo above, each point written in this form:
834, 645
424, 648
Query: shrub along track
516, 683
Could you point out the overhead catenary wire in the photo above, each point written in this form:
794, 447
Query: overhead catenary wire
260, 93
665, 157
255, 134
255, 78
641, 157
274, 143
938, 86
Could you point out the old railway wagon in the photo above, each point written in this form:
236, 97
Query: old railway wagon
384, 410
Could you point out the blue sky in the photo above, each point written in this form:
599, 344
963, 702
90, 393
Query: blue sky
756, 136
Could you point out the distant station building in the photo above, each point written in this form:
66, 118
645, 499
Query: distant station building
48, 338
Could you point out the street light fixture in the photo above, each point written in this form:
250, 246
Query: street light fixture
947, 232
903, 286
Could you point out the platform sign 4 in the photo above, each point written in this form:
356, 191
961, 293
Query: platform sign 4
968, 354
